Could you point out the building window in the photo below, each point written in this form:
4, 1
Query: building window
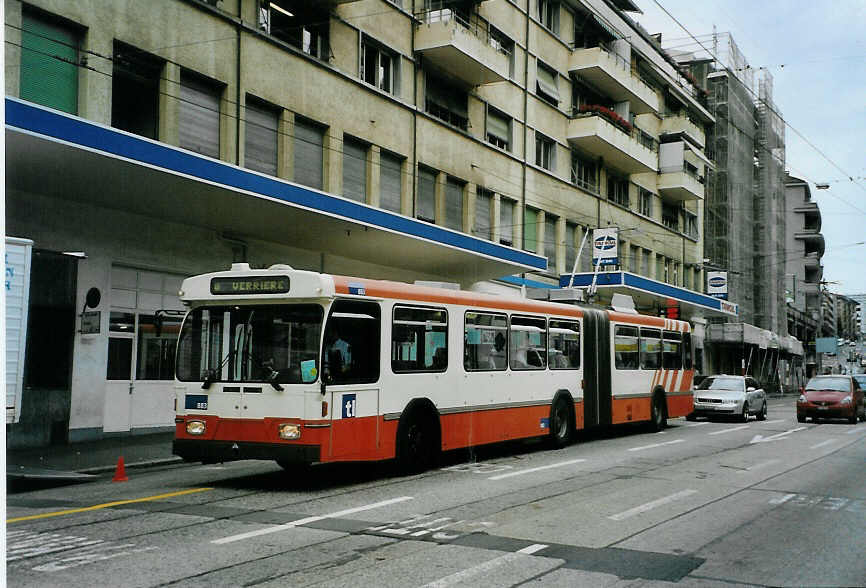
506, 221
550, 241
355, 169
260, 147
483, 204
309, 153
671, 216
199, 118
530, 229
505, 45
646, 202
545, 84
390, 181
498, 129
447, 102
135, 91
690, 224
426, 208
419, 341
584, 172
548, 14
545, 150
645, 263
49, 62
454, 204
570, 246
379, 67
303, 25
617, 190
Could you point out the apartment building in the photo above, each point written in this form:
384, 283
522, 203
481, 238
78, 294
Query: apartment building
462, 141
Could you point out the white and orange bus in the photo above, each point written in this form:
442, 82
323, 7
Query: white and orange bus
303, 367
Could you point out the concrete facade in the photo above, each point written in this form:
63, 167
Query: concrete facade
533, 126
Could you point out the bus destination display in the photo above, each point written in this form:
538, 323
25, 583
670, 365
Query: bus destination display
250, 285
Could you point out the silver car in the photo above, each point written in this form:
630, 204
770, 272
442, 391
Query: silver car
724, 395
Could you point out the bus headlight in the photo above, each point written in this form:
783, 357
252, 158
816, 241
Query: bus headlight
290, 431
195, 427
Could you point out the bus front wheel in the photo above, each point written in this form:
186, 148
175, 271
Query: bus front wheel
561, 422
417, 442
658, 420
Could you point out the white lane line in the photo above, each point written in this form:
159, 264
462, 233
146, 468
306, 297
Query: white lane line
758, 466
307, 520
853, 431
642, 447
475, 571
538, 469
774, 422
823, 443
651, 505
701, 424
723, 431
782, 499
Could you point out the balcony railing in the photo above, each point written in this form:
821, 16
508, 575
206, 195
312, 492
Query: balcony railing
642, 137
623, 64
473, 23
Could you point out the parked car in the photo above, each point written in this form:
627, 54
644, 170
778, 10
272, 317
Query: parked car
833, 396
724, 395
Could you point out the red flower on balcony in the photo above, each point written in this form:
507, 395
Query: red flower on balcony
608, 114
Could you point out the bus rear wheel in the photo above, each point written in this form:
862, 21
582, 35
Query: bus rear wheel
417, 443
561, 422
658, 420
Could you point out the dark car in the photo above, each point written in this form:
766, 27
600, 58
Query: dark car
831, 396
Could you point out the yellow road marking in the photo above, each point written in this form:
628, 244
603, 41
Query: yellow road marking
106, 505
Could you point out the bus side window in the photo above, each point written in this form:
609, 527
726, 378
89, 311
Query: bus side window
563, 349
626, 352
687, 351
484, 341
419, 339
672, 356
528, 343
350, 353
650, 349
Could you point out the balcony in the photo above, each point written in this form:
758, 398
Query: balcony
625, 147
813, 240
613, 76
462, 47
681, 184
682, 125
812, 261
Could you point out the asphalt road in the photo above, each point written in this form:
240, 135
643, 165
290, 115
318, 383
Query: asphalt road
701, 504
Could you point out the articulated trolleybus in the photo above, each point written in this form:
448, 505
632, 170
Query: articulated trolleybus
302, 367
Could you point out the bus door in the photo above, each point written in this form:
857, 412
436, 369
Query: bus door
596, 368
350, 372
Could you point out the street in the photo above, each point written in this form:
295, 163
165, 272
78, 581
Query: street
700, 504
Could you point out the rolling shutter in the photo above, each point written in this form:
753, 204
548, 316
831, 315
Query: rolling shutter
506, 222
546, 80
260, 151
550, 241
426, 195
49, 57
483, 201
199, 123
309, 144
454, 204
354, 170
530, 229
390, 182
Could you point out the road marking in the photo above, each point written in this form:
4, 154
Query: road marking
782, 499
308, 520
469, 573
853, 431
45, 515
642, 447
538, 469
823, 443
723, 431
774, 422
758, 466
651, 505
776, 437
701, 424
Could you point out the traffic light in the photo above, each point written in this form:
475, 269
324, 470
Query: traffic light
672, 310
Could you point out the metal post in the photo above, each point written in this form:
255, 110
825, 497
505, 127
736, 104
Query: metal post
577, 259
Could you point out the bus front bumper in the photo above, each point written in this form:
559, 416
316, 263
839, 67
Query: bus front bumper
217, 451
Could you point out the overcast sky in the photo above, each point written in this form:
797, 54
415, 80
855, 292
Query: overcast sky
816, 53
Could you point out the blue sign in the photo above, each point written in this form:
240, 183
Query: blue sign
717, 282
196, 401
350, 404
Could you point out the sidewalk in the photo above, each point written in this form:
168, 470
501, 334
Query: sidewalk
76, 460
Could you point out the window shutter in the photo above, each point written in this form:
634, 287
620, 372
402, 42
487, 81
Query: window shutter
570, 252
550, 241
309, 143
354, 170
454, 204
483, 201
199, 124
506, 222
547, 82
530, 229
260, 151
497, 125
390, 182
49, 54
426, 195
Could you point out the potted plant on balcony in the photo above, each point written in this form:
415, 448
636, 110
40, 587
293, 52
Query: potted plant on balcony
608, 114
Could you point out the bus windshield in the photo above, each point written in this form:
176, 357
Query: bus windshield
277, 344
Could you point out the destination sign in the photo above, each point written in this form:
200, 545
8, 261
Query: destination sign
250, 285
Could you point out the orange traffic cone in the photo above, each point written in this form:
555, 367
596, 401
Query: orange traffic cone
120, 471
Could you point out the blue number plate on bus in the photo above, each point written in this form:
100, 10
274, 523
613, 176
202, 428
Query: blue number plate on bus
196, 401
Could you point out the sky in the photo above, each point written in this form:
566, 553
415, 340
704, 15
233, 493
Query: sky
816, 53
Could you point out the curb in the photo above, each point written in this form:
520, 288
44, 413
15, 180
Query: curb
136, 464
